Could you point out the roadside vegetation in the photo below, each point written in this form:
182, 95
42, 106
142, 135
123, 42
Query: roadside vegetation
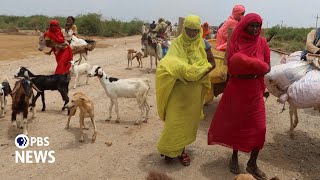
92, 24
288, 39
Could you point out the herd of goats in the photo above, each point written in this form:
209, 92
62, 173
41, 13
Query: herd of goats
24, 99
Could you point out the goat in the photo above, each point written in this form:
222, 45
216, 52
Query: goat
127, 88
5, 90
151, 49
81, 101
22, 96
139, 58
130, 56
77, 70
47, 82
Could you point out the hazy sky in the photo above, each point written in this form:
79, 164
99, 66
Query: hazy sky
296, 13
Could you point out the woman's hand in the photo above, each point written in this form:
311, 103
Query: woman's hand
60, 46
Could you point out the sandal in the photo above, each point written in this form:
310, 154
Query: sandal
234, 168
256, 173
167, 158
184, 159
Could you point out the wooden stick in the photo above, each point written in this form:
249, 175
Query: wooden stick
218, 57
278, 51
314, 55
228, 39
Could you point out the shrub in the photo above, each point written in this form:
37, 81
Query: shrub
88, 24
288, 39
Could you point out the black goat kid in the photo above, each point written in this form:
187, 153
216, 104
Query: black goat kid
5, 90
54, 82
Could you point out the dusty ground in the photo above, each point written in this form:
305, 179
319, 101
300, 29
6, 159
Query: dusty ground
133, 151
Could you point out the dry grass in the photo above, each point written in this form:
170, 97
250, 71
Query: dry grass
17, 46
23, 45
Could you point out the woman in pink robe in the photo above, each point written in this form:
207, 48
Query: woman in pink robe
240, 119
222, 34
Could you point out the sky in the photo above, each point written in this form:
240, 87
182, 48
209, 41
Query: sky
293, 13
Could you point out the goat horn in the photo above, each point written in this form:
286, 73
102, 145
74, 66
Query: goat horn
15, 88
17, 77
35, 87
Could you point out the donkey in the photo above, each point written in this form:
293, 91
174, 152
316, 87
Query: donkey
83, 52
151, 49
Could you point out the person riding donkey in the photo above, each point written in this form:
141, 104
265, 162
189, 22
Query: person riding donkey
159, 33
160, 28
67, 34
312, 44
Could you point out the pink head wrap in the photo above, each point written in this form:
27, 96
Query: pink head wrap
237, 11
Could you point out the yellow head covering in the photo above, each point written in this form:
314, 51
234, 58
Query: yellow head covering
186, 61
191, 22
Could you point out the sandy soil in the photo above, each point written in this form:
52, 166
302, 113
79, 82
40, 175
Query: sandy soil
133, 151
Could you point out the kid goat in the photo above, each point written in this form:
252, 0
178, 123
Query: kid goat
5, 90
77, 70
127, 88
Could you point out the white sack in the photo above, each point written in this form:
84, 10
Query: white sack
305, 93
77, 43
295, 56
282, 76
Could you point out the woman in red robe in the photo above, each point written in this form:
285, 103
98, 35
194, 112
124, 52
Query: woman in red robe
54, 39
206, 30
240, 119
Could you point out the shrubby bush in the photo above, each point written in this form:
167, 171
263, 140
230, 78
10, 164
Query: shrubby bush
91, 24
288, 39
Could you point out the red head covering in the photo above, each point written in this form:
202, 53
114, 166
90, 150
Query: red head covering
206, 30
54, 32
237, 11
242, 41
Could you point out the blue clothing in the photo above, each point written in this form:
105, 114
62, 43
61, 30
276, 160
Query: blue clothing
208, 45
164, 51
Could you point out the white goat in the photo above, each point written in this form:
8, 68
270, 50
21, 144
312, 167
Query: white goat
127, 88
77, 70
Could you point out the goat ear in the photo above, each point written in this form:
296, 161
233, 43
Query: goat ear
82, 99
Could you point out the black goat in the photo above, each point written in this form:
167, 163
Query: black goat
22, 96
5, 90
57, 82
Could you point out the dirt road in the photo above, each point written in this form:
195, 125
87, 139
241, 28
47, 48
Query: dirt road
133, 151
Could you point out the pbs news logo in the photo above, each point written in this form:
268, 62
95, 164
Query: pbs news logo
33, 156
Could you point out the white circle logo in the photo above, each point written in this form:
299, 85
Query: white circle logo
22, 141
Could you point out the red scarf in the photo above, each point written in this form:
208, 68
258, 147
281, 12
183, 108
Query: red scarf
54, 33
206, 30
245, 43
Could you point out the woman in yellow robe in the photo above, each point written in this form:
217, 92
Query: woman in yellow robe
181, 83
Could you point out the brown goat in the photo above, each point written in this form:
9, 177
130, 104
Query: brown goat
130, 56
139, 58
22, 95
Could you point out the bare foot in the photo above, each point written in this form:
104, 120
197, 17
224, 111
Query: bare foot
234, 166
256, 172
